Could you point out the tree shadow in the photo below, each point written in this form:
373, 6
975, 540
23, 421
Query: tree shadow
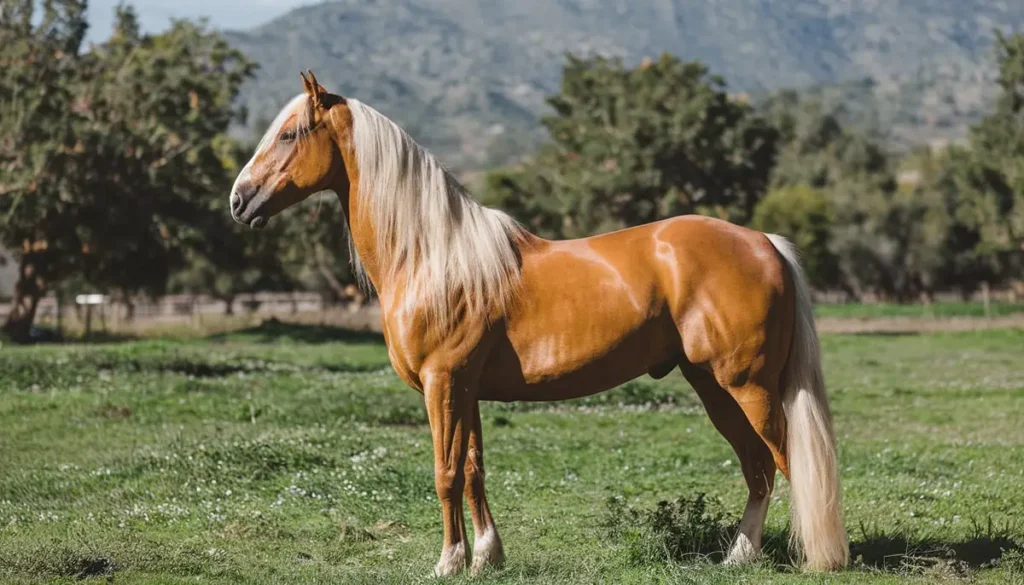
44, 335
273, 331
884, 333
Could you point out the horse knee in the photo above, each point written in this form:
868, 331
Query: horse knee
449, 483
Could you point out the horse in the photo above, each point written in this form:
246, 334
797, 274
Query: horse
475, 307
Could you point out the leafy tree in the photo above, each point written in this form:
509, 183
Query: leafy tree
817, 150
126, 135
805, 216
880, 240
315, 249
228, 259
39, 65
993, 201
629, 146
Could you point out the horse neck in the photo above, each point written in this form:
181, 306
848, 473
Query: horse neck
346, 185
362, 233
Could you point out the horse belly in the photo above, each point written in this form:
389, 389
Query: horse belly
564, 366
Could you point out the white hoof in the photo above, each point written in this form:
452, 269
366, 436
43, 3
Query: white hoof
487, 551
453, 560
743, 551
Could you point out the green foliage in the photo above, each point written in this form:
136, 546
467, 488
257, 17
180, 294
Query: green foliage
111, 159
993, 204
817, 150
39, 64
630, 146
879, 238
226, 258
805, 216
315, 248
678, 531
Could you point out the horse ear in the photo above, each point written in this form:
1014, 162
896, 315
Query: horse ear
314, 89
307, 85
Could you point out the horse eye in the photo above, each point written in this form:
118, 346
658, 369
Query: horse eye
288, 136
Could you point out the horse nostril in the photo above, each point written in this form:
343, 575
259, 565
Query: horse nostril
236, 202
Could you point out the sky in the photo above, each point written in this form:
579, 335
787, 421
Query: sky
155, 15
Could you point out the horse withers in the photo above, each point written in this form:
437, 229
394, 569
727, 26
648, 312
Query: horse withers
476, 308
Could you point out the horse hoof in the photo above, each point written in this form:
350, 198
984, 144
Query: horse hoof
487, 551
743, 552
453, 560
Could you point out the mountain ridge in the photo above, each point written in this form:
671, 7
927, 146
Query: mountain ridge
468, 78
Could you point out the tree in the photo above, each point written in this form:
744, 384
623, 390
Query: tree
805, 216
315, 249
816, 150
127, 163
629, 146
993, 201
39, 65
880, 239
227, 259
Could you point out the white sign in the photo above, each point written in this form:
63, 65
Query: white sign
89, 299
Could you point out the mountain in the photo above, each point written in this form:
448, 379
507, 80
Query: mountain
468, 78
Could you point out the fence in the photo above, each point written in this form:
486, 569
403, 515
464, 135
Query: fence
177, 308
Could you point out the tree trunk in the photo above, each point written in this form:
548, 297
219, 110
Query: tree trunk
129, 309
27, 292
327, 274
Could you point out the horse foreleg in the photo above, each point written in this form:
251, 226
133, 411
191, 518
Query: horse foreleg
487, 549
450, 412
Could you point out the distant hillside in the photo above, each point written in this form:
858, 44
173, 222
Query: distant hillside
468, 77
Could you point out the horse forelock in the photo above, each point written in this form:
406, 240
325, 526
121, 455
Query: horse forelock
294, 106
432, 237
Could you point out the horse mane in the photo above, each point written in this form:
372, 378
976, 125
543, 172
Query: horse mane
447, 249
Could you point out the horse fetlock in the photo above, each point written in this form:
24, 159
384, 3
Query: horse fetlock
453, 560
487, 551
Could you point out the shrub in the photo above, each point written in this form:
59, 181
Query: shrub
674, 531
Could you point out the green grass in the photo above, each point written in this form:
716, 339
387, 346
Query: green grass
917, 310
294, 455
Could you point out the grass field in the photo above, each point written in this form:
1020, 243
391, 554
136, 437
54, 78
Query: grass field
288, 454
916, 310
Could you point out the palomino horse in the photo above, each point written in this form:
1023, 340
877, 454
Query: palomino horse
476, 308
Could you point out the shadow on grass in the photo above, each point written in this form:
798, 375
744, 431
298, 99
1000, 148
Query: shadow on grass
47, 335
273, 331
899, 552
883, 333
689, 530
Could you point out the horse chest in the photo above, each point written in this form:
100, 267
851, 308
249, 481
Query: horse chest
414, 347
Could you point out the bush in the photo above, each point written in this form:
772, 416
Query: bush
805, 216
674, 531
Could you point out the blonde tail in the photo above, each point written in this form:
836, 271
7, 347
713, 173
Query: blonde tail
815, 496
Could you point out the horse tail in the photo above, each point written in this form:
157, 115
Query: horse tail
817, 527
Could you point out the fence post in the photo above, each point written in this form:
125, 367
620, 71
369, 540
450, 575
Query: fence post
60, 309
985, 299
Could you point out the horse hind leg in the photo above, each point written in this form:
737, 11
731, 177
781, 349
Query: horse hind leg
757, 459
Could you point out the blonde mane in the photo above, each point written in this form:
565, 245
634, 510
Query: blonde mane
448, 250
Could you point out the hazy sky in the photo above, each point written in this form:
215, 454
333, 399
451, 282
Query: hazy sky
155, 15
